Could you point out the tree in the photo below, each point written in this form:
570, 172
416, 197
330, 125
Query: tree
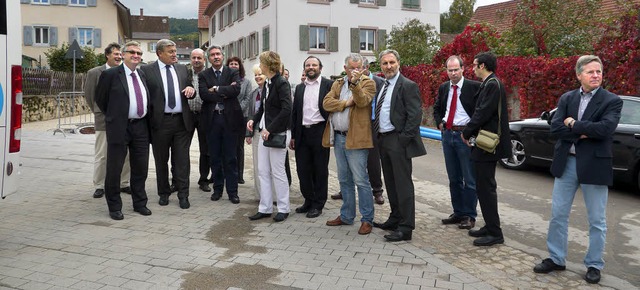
58, 62
552, 27
458, 16
416, 42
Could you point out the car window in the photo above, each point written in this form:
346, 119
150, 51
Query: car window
630, 112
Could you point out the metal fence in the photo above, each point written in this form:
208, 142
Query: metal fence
47, 82
71, 111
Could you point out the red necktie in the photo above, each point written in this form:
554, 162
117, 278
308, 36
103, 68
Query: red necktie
452, 108
258, 97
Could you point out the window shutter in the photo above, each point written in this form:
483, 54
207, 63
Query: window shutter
333, 39
355, 40
25, 1
382, 2
27, 35
304, 37
382, 39
53, 36
240, 8
59, 2
92, 3
72, 34
354, 1
97, 37
265, 39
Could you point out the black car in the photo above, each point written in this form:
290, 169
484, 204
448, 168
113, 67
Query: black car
532, 144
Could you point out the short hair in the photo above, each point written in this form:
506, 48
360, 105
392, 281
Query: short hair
389, 51
271, 60
132, 43
256, 69
197, 50
162, 43
237, 59
287, 70
109, 49
214, 46
309, 57
584, 60
355, 57
456, 57
489, 60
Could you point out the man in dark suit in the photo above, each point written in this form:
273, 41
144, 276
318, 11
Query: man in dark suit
123, 96
308, 119
398, 114
584, 124
223, 119
455, 103
171, 120
114, 58
491, 117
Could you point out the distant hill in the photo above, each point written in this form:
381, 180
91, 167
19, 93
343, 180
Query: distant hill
180, 26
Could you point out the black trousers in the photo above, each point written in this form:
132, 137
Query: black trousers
137, 142
222, 149
373, 166
204, 165
312, 160
397, 170
172, 137
487, 195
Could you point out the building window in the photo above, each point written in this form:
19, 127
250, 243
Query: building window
39, 1
240, 9
231, 13
367, 40
265, 3
411, 4
253, 6
78, 2
231, 50
213, 26
153, 46
265, 38
242, 53
371, 2
41, 35
318, 37
253, 44
85, 36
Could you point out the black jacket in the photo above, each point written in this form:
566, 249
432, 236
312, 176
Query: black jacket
276, 106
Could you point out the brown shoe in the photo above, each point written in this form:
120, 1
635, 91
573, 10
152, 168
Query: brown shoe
335, 222
379, 199
467, 223
337, 195
365, 228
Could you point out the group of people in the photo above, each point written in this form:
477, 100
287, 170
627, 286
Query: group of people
371, 122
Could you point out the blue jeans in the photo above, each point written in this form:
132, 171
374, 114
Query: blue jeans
462, 182
595, 199
352, 172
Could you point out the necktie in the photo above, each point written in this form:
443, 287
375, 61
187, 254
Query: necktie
218, 75
170, 89
258, 97
376, 122
136, 88
452, 108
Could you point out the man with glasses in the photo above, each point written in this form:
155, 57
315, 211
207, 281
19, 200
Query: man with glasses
122, 95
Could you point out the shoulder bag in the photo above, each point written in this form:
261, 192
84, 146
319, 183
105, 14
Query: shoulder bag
487, 140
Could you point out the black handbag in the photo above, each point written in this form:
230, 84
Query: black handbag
276, 141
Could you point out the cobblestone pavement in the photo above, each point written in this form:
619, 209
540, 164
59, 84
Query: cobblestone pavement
54, 235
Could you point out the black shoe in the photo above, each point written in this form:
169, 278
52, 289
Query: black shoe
302, 209
259, 215
234, 199
547, 266
479, 233
592, 276
143, 210
164, 200
467, 223
173, 188
126, 190
314, 213
184, 203
241, 181
280, 217
398, 236
452, 219
116, 215
216, 196
385, 226
337, 195
98, 193
488, 240
205, 187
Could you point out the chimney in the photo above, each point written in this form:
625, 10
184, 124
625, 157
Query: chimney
141, 14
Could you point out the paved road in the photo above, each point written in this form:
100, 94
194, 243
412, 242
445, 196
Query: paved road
54, 235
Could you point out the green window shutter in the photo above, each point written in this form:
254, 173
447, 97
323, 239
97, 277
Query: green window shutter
355, 40
97, 37
355, 1
53, 36
72, 34
265, 39
304, 37
382, 39
27, 35
25, 1
92, 3
382, 2
333, 39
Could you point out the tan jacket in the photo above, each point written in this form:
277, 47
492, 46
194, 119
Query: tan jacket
359, 133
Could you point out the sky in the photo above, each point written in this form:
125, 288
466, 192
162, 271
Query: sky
189, 8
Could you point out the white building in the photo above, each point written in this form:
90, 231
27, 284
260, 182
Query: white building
297, 29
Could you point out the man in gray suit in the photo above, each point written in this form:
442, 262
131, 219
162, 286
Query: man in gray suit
114, 58
398, 114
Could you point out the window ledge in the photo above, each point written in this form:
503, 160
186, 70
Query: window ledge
366, 5
412, 9
367, 53
318, 51
322, 2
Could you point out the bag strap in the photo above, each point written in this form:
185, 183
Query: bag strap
499, 104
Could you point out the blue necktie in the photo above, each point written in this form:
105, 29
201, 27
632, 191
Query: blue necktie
171, 90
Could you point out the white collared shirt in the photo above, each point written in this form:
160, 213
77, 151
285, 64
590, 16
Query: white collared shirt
176, 88
460, 117
385, 112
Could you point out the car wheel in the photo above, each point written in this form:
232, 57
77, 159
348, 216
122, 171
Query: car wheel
518, 157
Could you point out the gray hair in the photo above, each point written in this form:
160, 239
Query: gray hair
198, 51
389, 51
355, 57
214, 46
132, 43
584, 60
365, 62
162, 43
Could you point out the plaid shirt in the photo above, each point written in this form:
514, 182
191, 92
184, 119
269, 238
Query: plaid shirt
195, 103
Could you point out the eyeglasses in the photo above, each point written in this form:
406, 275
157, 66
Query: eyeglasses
476, 64
134, 52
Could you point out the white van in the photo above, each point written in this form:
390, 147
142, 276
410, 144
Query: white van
10, 95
